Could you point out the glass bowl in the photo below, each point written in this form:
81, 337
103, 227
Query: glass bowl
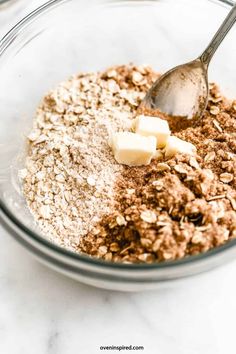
64, 37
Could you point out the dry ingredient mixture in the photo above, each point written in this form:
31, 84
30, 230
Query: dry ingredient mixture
85, 201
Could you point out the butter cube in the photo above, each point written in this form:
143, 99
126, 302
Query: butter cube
175, 145
133, 149
153, 126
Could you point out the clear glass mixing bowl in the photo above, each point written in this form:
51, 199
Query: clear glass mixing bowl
67, 36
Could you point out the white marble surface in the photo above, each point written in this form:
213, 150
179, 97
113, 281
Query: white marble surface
43, 312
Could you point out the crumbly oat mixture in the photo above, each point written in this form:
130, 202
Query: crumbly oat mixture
179, 207
83, 200
70, 171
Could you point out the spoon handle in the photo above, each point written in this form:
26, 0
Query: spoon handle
218, 37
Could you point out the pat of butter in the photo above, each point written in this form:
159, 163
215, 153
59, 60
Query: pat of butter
133, 149
153, 126
175, 145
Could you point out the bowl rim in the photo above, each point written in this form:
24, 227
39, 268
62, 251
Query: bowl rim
6, 215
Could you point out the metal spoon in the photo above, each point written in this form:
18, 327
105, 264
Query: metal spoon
182, 92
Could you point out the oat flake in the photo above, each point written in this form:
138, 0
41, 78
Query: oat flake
70, 172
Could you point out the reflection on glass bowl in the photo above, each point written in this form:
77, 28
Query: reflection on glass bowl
63, 37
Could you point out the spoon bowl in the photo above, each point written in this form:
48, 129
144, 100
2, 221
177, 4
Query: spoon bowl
181, 92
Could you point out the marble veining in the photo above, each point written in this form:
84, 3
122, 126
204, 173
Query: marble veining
50, 313
42, 312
